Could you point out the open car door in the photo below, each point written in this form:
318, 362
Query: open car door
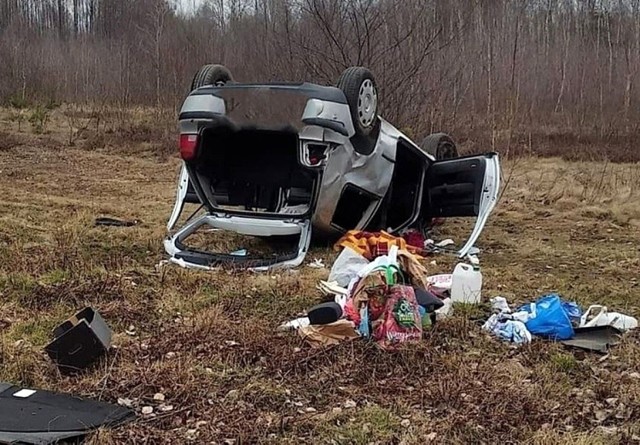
462, 187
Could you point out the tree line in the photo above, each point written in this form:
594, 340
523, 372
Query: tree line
439, 63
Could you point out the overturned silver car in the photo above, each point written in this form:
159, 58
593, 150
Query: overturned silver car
288, 160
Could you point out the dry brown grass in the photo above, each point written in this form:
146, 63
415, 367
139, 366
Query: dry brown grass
207, 340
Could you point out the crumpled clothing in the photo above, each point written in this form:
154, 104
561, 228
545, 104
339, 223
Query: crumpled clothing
328, 334
410, 265
499, 304
414, 238
507, 327
373, 244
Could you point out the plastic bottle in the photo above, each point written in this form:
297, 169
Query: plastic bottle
466, 282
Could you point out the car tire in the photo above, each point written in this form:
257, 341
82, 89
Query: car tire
215, 75
440, 146
359, 87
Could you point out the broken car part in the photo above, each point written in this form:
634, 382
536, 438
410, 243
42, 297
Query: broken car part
113, 222
595, 338
30, 416
79, 341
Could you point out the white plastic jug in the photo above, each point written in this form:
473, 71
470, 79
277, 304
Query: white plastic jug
466, 284
598, 315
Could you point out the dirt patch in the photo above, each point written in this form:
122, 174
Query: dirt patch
9, 141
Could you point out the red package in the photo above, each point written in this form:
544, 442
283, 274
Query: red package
401, 320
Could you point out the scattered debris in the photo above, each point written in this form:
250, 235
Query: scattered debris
325, 313
240, 252
548, 318
79, 341
345, 268
113, 222
414, 238
331, 288
446, 309
125, 402
445, 243
440, 284
60, 417
499, 304
466, 282
328, 334
316, 264
388, 298
507, 327
350, 404
598, 315
594, 338
553, 318
294, 324
372, 245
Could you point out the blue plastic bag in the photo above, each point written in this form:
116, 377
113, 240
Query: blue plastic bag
549, 318
573, 310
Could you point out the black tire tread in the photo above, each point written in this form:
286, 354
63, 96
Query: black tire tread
209, 75
432, 142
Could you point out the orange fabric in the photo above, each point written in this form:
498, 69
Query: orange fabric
371, 245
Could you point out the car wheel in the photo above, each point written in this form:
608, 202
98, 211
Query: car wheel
440, 146
359, 87
215, 75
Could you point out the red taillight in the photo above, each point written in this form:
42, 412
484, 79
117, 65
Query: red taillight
188, 146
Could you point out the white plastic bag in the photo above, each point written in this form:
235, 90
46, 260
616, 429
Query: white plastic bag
346, 266
598, 315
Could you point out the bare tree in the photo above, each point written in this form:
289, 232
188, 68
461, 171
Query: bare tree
483, 64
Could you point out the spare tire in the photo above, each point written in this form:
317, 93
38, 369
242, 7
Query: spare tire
359, 87
215, 75
440, 146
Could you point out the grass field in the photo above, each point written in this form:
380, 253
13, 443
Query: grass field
207, 341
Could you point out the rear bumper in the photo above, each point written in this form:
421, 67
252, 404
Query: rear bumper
196, 259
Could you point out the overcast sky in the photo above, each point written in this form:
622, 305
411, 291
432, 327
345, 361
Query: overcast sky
188, 5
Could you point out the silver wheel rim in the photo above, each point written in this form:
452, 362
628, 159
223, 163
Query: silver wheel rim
367, 103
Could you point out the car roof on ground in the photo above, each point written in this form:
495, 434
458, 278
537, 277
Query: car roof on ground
311, 90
